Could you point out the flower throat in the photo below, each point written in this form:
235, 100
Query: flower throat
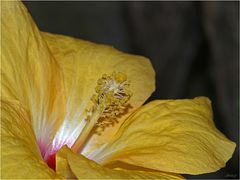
109, 100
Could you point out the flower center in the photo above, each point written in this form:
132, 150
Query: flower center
51, 161
109, 100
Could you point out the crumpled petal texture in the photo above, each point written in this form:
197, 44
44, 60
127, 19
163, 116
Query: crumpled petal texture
78, 166
47, 82
20, 156
176, 136
29, 73
83, 63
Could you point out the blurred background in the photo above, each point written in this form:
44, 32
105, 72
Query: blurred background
193, 46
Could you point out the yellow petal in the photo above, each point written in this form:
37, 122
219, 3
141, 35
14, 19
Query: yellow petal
20, 156
84, 168
83, 63
170, 135
29, 73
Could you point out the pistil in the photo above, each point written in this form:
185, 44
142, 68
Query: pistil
110, 99
112, 95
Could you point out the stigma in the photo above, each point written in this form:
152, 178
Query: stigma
112, 94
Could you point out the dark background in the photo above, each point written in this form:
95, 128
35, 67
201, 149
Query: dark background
193, 47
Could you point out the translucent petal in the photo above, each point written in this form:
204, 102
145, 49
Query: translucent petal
83, 63
20, 156
176, 136
29, 73
84, 168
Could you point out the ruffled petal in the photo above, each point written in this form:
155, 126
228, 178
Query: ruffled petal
20, 156
78, 166
29, 73
83, 63
176, 136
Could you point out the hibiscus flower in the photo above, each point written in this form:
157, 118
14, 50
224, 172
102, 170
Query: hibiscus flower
73, 109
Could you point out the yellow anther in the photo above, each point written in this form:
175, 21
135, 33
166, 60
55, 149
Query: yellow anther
109, 101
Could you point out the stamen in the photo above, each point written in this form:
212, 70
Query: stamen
110, 100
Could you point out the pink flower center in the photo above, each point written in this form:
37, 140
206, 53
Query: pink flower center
49, 158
